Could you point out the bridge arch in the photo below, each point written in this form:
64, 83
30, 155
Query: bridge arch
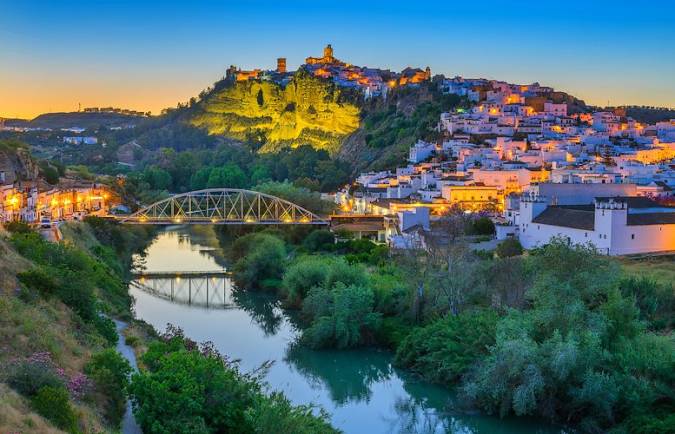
224, 206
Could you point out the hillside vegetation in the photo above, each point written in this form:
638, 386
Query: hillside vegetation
55, 357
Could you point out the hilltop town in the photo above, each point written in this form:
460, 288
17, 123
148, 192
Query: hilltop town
371, 81
535, 169
537, 161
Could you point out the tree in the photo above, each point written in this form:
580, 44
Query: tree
344, 316
110, 373
159, 179
508, 248
443, 350
262, 264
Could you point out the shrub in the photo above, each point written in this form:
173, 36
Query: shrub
319, 240
275, 414
579, 353
110, 373
74, 277
106, 328
191, 388
53, 404
29, 376
39, 279
262, 265
656, 301
443, 350
508, 248
482, 226
343, 272
303, 275
18, 227
343, 317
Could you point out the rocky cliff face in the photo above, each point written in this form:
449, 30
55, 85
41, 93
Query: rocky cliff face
16, 165
307, 111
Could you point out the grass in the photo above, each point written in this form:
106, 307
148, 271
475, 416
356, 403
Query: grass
31, 324
17, 416
659, 268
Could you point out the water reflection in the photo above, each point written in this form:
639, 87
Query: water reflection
337, 371
209, 292
265, 311
361, 389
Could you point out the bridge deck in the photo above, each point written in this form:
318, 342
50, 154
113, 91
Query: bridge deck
172, 274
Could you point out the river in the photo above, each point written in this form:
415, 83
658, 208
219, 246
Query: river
360, 389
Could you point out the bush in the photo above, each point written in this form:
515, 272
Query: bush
106, 328
29, 376
18, 227
656, 301
482, 226
53, 404
579, 353
191, 388
443, 350
508, 248
39, 279
304, 274
110, 373
343, 317
275, 414
342, 272
319, 240
262, 265
74, 277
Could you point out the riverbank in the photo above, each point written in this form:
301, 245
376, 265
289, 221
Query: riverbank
56, 339
491, 328
359, 388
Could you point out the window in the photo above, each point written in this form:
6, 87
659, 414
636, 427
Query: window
632, 236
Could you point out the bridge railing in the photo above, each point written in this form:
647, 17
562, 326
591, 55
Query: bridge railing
224, 206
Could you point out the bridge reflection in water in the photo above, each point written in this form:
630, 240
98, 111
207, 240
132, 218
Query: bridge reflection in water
212, 290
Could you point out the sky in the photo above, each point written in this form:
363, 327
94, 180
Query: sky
148, 55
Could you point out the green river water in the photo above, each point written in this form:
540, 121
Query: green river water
361, 389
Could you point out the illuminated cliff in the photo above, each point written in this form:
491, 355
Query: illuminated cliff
307, 111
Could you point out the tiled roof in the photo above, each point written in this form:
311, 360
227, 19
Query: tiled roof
566, 217
631, 201
652, 218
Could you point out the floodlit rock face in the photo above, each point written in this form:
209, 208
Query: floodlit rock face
307, 111
17, 165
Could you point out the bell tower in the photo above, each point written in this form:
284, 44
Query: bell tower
328, 52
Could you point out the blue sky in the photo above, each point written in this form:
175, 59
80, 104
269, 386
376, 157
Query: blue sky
152, 54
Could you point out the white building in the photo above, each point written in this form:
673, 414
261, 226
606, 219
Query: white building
421, 151
613, 225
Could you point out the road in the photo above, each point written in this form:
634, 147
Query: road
52, 234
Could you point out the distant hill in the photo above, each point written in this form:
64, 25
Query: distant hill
87, 120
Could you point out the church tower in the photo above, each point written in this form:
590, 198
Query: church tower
328, 52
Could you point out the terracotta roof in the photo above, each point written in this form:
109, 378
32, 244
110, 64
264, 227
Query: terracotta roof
567, 217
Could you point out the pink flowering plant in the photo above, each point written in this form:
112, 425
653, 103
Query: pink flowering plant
27, 376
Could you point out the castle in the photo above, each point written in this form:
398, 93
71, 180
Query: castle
327, 59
